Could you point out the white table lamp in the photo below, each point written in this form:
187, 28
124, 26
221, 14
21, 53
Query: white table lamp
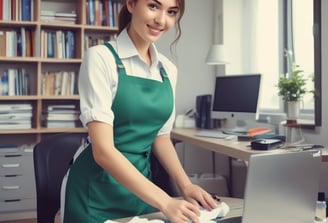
215, 55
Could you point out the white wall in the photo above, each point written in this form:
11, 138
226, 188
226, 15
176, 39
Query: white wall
195, 77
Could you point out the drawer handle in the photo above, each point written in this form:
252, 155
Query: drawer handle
14, 187
10, 165
13, 155
12, 175
13, 200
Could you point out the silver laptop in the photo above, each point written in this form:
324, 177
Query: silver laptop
281, 188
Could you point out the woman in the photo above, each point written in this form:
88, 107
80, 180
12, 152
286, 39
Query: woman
127, 103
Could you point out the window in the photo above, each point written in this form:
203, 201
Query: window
256, 32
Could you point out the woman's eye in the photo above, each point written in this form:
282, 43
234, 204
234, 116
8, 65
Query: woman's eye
153, 6
172, 12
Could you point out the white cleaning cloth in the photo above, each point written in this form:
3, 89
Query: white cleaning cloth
205, 217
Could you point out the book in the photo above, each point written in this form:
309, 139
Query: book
15, 121
4, 84
66, 14
5, 11
59, 44
50, 45
60, 124
9, 43
91, 12
97, 13
19, 44
10, 126
64, 83
61, 107
62, 117
29, 43
111, 18
48, 13
23, 43
70, 44
25, 82
16, 116
26, 10
2, 43
12, 108
74, 84
12, 77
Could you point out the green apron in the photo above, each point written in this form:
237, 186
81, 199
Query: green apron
141, 107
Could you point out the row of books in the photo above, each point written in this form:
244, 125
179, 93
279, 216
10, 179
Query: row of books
16, 10
59, 83
14, 82
15, 116
97, 40
18, 42
103, 12
58, 17
58, 44
19, 116
61, 116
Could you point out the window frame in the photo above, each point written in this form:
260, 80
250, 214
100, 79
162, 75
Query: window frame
317, 62
316, 114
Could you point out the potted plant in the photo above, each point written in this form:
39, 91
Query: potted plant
292, 87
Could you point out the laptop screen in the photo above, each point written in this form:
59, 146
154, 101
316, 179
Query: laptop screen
282, 187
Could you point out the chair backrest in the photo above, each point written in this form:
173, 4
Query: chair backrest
52, 157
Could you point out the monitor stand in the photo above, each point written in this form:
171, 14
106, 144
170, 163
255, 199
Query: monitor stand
235, 127
240, 127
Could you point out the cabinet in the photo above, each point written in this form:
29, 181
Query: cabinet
16, 182
42, 43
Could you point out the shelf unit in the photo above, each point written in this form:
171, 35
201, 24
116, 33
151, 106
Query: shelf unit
39, 63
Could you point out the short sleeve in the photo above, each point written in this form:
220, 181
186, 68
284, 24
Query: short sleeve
97, 77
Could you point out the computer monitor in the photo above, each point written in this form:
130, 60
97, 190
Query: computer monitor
236, 100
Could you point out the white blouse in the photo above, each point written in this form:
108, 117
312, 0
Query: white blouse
98, 78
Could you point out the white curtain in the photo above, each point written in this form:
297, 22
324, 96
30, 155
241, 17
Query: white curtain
251, 30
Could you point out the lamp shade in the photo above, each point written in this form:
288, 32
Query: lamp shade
215, 55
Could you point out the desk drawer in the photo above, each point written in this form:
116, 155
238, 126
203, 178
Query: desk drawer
14, 187
16, 164
17, 205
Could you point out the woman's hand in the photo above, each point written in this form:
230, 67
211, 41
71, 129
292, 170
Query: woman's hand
181, 211
198, 196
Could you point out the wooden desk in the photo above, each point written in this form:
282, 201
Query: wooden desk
235, 204
234, 149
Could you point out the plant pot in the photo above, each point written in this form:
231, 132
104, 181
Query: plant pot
293, 111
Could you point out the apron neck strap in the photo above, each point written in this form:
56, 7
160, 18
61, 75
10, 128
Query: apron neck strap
162, 72
119, 64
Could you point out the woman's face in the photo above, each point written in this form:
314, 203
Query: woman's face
151, 19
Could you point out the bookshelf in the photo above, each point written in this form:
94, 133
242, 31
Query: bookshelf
42, 43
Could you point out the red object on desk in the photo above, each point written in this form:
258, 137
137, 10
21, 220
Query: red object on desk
258, 131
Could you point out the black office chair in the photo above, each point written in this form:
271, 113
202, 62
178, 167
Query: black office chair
161, 178
52, 157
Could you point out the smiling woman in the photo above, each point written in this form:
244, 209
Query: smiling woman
127, 92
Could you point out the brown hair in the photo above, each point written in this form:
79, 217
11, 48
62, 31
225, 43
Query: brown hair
124, 18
